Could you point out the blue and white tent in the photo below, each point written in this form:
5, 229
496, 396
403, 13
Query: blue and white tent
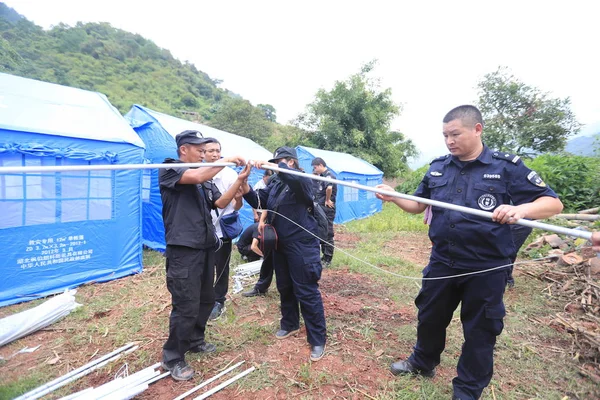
60, 230
351, 203
158, 132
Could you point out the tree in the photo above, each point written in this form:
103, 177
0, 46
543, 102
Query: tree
355, 117
269, 110
521, 119
242, 118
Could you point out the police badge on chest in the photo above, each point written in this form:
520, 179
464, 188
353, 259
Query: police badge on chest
487, 202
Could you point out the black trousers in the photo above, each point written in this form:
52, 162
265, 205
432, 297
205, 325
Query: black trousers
298, 272
266, 274
247, 252
190, 276
482, 313
222, 258
327, 249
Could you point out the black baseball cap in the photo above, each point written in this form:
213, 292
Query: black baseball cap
284, 152
191, 137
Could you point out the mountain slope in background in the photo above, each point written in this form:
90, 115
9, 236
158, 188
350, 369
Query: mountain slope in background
584, 145
95, 56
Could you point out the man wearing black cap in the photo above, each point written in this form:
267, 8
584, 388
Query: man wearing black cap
296, 258
188, 195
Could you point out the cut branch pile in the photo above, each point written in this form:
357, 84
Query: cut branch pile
574, 278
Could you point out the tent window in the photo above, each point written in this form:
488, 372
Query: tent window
350, 193
36, 198
146, 185
372, 182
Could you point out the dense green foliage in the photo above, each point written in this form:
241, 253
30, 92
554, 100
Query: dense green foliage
95, 56
575, 179
355, 117
412, 180
521, 119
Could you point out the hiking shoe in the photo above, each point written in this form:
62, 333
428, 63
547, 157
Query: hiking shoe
217, 311
326, 264
405, 367
317, 352
282, 333
181, 371
204, 348
253, 292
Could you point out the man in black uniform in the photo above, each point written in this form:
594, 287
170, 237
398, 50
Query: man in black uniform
472, 176
188, 196
325, 194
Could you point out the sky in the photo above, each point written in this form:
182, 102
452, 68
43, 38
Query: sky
431, 54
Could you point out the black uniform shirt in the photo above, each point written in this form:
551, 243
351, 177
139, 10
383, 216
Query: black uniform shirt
494, 178
186, 209
320, 188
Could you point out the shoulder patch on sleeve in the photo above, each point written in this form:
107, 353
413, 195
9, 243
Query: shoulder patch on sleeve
534, 178
506, 157
442, 158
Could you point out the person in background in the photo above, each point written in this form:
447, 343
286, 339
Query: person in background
519, 235
297, 257
472, 176
325, 196
596, 241
248, 242
188, 195
266, 268
224, 180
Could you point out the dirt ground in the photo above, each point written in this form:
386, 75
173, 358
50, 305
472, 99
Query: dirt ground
363, 338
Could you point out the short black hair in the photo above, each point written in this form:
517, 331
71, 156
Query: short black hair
318, 161
268, 172
468, 114
212, 140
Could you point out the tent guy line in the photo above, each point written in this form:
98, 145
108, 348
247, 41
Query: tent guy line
454, 207
414, 278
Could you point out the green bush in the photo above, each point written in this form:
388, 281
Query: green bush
412, 180
576, 179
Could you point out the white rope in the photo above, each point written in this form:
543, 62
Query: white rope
405, 276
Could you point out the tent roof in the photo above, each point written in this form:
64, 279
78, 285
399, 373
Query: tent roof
27, 105
232, 144
342, 162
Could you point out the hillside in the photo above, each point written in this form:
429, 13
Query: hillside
584, 145
95, 56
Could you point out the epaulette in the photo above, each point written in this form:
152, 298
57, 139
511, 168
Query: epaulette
442, 158
506, 157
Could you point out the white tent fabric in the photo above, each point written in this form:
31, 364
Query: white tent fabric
21, 324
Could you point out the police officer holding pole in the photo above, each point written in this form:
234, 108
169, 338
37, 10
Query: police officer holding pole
473, 176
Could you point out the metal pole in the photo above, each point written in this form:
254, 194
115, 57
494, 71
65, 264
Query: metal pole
107, 167
224, 384
206, 382
55, 383
454, 207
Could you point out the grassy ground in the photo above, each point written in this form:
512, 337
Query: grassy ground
371, 322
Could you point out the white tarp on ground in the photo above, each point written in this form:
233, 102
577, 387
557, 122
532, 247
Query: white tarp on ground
21, 324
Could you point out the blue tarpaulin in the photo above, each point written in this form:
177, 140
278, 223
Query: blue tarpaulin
351, 203
158, 132
62, 229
